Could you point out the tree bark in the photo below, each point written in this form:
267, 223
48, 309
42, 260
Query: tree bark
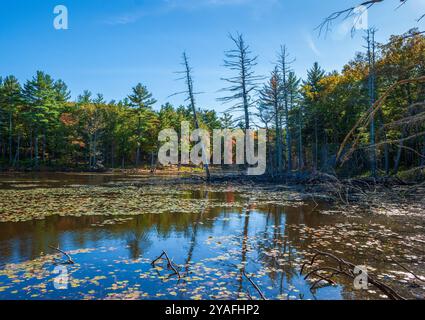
300, 144
10, 138
278, 141
36, 149
139, 134
16, 160
316, 143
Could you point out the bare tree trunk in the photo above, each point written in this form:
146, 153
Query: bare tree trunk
324, 156
112, 154
316, 144
398, 157
31, 146
36, 149
94, 151
10, 138
44, 144
371, 57
300, 144
189, 82
269, 153
279, 161
386, 147
285, 69
90, 151
138, 152
18, 146
152, 162
404, 134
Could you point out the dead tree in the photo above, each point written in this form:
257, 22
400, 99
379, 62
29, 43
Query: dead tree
371, 54
187, 77
244, 83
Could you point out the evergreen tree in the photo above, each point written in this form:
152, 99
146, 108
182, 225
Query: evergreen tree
312, 91
10, 102
141, 100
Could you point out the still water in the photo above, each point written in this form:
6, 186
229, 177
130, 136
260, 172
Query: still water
212, 249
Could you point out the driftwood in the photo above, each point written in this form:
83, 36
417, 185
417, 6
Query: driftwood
70, 261
343, 268
170, 263
255, 286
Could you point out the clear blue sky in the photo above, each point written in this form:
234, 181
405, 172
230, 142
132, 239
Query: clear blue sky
112, 45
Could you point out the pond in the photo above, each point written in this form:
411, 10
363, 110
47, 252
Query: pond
218, 237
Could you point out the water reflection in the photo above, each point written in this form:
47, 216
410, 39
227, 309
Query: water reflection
214, 248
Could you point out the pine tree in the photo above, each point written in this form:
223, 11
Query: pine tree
270, 96
293, 84
42, 107
140, 99
312, 91
284, 64
10, 101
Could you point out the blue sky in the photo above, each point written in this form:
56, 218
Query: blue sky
111, 45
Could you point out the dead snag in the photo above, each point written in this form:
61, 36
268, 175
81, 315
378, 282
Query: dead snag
255, 286
343, 268
70, 261
170, 264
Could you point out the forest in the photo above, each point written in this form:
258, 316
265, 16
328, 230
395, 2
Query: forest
367, 119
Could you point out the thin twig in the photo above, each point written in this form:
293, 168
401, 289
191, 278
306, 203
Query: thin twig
170, 263
70, 261
347, 269
404, 268
255, 286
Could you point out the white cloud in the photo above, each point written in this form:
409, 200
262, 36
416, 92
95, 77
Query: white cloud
312, 45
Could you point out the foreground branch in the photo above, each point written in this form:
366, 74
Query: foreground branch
70, 261
255, 286
343, 268
170, 264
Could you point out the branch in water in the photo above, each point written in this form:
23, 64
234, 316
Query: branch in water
255, 286
70, 261
343, 268
170, 264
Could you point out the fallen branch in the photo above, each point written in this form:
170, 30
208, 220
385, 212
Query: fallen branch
255, 286
70, 261
346, 269
405, 269
170, 264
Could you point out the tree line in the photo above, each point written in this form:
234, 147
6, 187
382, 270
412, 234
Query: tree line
307, 120
41, 127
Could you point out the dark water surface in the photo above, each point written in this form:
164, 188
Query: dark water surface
212, 250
